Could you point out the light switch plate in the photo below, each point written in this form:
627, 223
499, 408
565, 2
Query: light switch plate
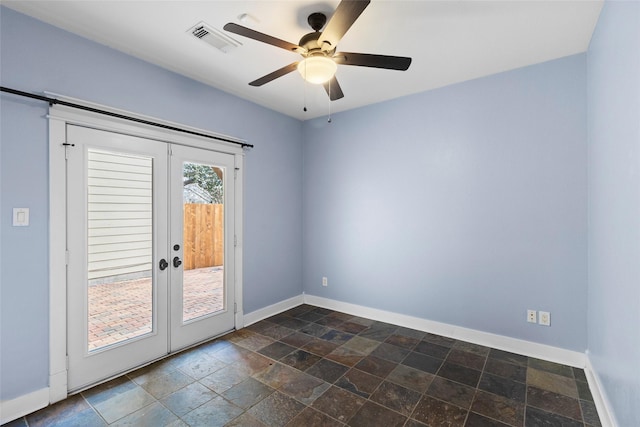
20, 217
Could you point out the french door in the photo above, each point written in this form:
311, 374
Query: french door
201, 229
150, 231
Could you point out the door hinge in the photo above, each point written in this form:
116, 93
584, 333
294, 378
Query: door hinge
235, 173
66, 257
67, 362
235, 241
235, 307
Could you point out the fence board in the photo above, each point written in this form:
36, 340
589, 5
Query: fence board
188, 237
218, 236
203, 235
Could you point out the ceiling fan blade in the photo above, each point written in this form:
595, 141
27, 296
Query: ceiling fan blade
343, 18
277, 73
370, 60
261, 37
333, 89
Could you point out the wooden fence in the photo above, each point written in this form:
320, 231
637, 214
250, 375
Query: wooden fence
203, 239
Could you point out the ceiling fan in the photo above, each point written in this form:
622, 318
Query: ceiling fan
318, 49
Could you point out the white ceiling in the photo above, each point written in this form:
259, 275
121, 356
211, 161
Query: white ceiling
449, 41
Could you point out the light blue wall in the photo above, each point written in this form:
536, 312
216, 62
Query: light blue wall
36, 57
613, 87
464, 205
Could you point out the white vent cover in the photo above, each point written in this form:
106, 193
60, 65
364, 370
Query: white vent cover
215, 38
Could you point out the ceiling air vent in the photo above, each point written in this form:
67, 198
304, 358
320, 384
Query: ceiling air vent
215, 38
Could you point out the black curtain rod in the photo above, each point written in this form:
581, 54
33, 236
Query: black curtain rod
52, 101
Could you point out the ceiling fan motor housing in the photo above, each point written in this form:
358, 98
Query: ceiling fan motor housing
317, 20
310, 43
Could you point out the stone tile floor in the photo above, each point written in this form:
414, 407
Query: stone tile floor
122, 310
312, 367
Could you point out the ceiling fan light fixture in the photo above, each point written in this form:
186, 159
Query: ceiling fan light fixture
317, 69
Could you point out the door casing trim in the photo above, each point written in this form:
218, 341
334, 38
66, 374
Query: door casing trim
59, 116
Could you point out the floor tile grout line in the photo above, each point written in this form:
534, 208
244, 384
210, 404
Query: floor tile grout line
526, 394
475, 391
423, 394
283, 318
408, 417
476, 388
93, 408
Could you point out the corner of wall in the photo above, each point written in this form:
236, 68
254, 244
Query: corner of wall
603, 405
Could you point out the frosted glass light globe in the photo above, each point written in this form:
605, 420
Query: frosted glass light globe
317, 69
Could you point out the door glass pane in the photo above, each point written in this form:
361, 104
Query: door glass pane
120, 242
203, 240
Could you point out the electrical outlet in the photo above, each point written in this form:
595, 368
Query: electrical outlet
545, 318
325, 282
531, 316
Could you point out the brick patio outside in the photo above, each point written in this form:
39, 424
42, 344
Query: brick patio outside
122, 310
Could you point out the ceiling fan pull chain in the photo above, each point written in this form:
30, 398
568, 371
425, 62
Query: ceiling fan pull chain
305, 97
329, 119
305, 88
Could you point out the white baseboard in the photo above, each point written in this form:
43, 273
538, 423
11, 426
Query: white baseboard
514, 345
500, 342
26, 404
271, 310
20, 406
603, 405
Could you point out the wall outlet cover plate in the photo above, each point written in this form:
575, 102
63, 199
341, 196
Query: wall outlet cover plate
544, 318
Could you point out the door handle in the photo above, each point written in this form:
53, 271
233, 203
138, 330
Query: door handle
176, 262
163, 264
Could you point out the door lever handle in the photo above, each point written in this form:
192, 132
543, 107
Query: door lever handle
163, 264
176, 262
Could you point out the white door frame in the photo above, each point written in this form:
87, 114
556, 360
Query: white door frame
59, 116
